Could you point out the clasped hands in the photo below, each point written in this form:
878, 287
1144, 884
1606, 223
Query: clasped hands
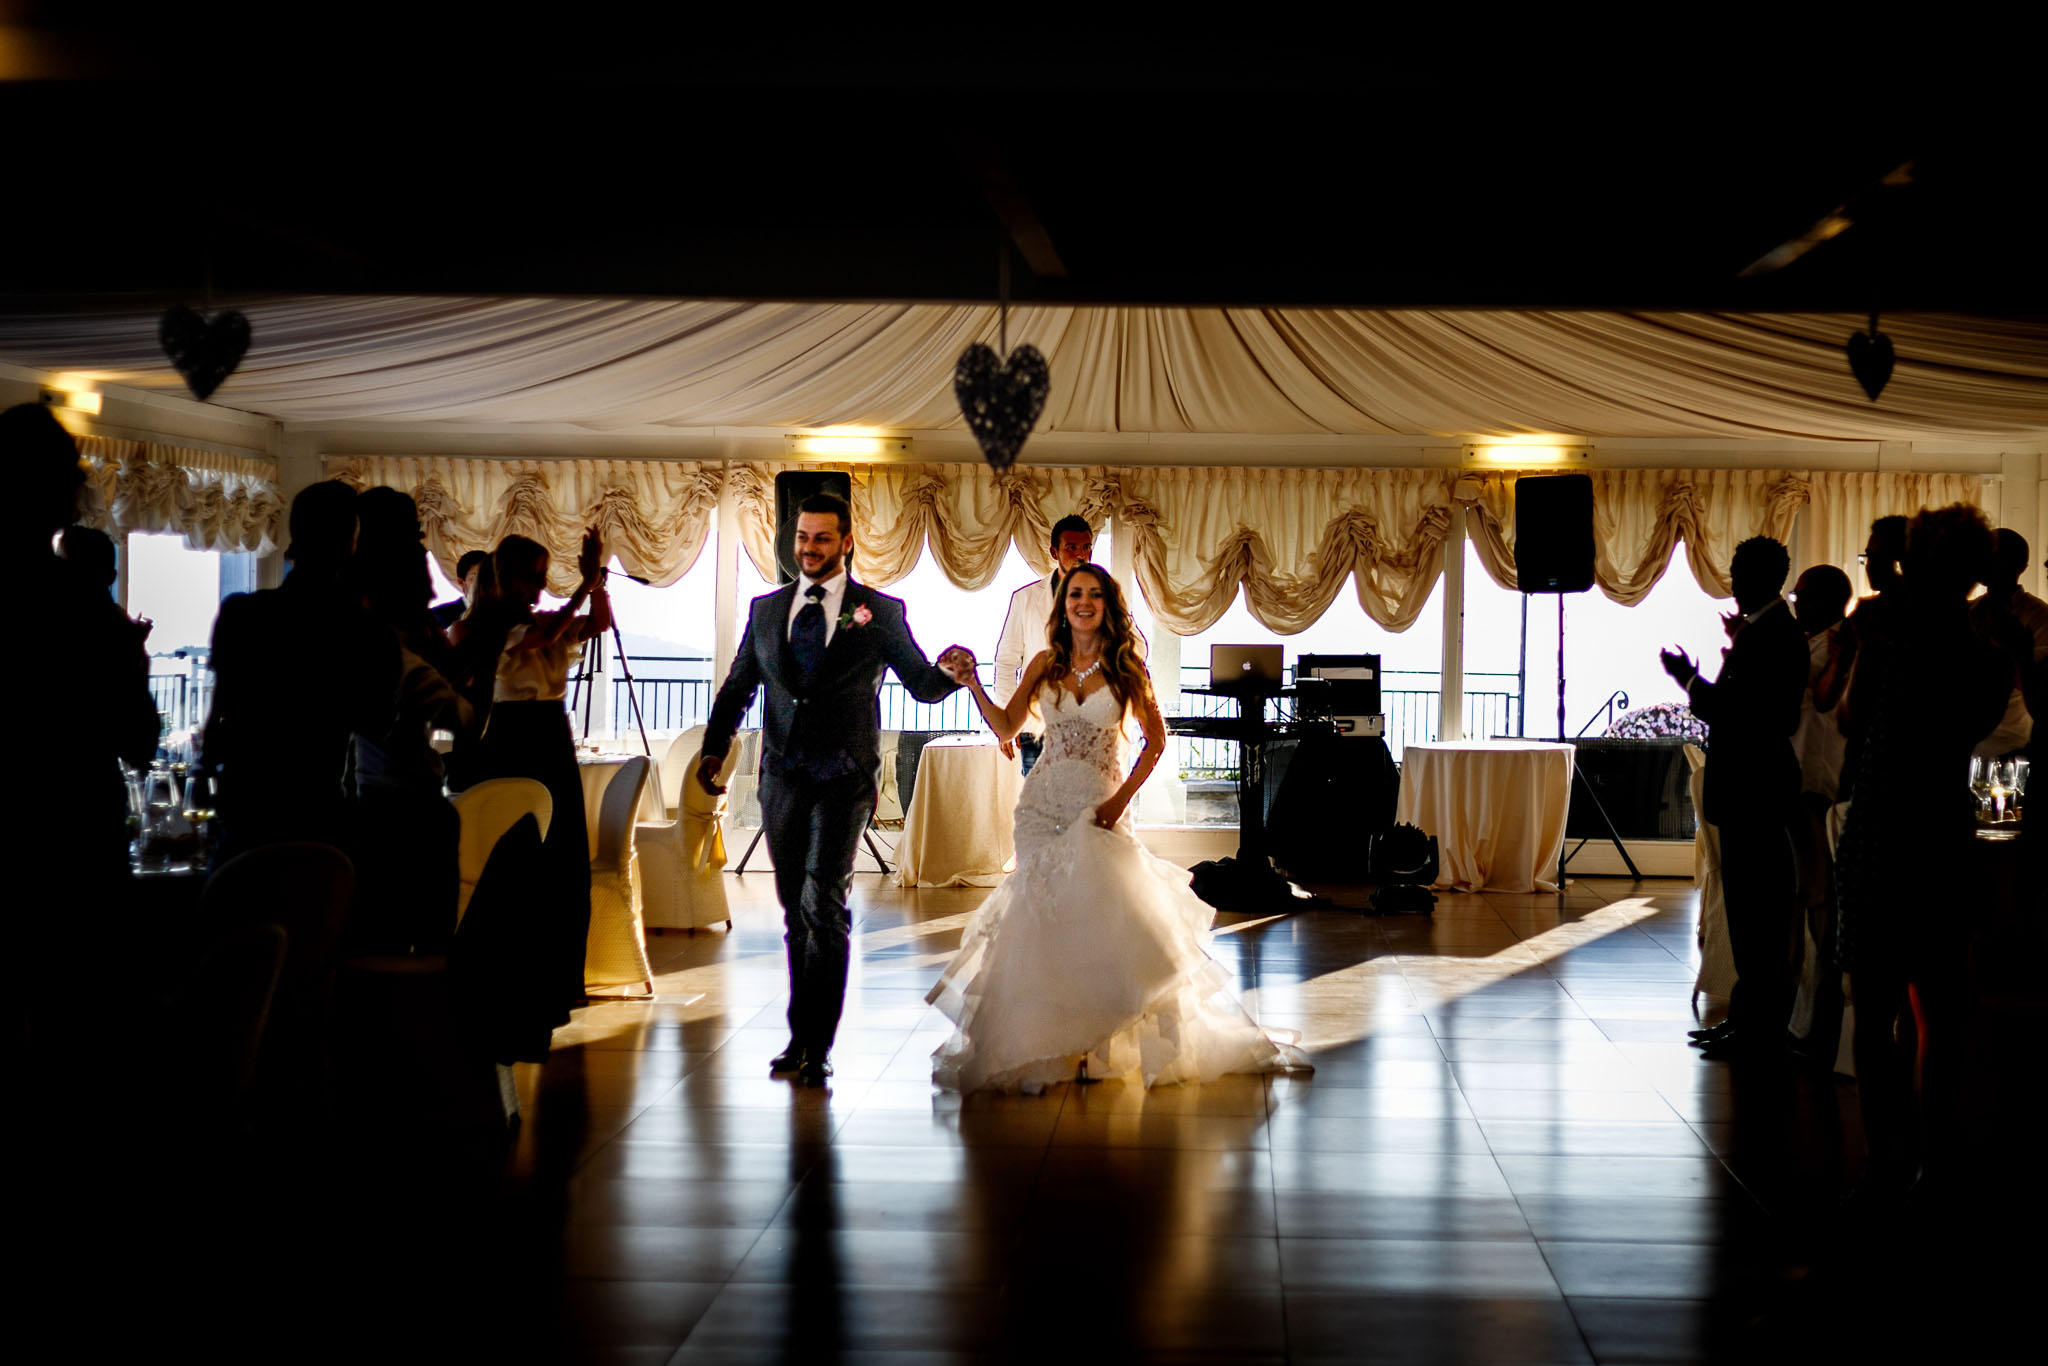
958, 662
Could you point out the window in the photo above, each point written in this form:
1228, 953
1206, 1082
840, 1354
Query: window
179, 590
1608, 648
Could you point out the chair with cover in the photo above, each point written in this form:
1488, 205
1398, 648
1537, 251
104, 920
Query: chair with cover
304, 889
487, 811
682, 860
615, 954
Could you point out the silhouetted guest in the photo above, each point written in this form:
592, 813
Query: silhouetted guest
297, 669
2017, 622
1819, 600
449, 612
83, 709
1925, 691
1868, 622
529, 732
1751, 790
407, 832
89, 553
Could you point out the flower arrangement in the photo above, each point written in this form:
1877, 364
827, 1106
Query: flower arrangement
1659, 721
858, 616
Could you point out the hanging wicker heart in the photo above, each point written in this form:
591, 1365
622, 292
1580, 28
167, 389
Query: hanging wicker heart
1001, 402
205, 352
1870, 359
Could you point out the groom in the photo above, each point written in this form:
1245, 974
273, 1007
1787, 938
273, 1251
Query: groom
819, 646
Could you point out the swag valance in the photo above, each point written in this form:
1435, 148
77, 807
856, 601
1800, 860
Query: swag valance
654, 515
1290, 539
215, 501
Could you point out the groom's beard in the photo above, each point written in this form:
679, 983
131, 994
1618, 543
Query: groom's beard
825, 570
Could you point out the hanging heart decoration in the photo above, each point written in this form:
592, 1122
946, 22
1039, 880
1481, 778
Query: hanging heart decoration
1870, 359
1001, 402
204, 351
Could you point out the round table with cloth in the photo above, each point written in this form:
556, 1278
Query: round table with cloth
1496, 807
959, 829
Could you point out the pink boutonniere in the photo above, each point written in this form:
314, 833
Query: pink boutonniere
859, 616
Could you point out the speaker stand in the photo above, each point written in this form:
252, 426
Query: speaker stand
1579, 782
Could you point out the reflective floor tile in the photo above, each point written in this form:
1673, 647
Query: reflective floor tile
1336, 1214
1332, 1326
1673, 1177
1405, 1266
1592, 1138
615, 1252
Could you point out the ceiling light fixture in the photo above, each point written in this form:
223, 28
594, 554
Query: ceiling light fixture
1526, 455
83, 401
829, 446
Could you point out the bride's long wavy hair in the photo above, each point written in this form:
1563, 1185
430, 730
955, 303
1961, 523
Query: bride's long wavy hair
1123, 668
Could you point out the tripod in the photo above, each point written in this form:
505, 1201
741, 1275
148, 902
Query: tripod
592, 666
1578, 776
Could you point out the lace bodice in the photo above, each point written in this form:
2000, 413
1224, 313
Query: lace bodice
1089, 731
1082, 764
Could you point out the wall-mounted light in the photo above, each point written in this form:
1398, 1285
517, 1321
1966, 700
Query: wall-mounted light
85, 402
1526, 455
828, 446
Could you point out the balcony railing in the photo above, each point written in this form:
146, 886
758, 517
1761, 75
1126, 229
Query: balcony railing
676, 692
182, 687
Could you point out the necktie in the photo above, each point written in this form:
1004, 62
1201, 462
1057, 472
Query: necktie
807, 632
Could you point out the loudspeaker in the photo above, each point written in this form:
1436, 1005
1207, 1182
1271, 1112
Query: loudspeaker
1324, 794
791, 488
1554, 533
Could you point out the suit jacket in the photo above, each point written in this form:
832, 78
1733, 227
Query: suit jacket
1752, 710
832, 725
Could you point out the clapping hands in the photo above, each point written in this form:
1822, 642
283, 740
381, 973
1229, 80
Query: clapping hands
590, 561
1680, 666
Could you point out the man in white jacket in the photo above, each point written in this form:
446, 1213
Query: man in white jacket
1073, 542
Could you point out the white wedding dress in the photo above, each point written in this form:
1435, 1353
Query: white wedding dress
1092, 950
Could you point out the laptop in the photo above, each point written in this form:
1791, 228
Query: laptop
1245, 668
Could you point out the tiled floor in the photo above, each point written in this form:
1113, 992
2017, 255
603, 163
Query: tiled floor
1506, 1153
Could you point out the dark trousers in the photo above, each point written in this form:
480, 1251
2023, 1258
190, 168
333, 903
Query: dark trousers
1029, 747
813, 827
1759, 882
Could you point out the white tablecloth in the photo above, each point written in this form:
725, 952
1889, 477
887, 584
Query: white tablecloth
1496, 807
958, 831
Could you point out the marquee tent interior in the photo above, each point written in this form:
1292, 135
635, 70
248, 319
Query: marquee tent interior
1285, 454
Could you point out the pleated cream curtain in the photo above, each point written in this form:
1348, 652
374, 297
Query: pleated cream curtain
215, 501
1641, 516
1289, 537
1845, 504
654, 515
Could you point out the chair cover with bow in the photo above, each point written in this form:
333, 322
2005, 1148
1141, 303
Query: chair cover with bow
682, 860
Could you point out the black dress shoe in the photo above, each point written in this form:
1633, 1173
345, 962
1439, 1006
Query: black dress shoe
1743, 1046
814, 1071
1711, 1034
788, 1060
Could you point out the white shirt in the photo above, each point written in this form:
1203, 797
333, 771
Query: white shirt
835, 594
1819, 741
536, 675
2016, 727
1023, 637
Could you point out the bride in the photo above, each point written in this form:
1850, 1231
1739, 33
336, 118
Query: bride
1089, 959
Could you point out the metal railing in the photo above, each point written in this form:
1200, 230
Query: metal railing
1414, 714
676, 692
181, 685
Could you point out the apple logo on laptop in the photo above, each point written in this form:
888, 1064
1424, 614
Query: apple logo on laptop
1245, 667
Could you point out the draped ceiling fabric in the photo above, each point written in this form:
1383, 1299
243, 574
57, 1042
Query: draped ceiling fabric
653, 515
618, 363
216, 501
